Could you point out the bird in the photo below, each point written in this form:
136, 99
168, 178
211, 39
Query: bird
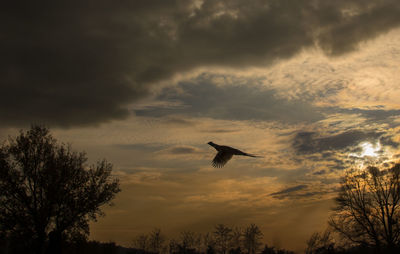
225, 153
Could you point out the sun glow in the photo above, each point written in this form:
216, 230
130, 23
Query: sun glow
371, 150
368, 150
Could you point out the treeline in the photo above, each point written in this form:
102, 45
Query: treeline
222, 240
10, 246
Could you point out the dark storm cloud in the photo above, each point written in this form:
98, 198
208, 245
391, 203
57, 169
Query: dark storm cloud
357, 21
311, 142
231, 102
74, 62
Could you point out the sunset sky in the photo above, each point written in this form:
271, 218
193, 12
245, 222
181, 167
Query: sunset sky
311, 85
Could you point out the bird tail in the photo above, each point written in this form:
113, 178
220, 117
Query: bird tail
252, 155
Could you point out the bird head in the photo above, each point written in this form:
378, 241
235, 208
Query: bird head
210, 143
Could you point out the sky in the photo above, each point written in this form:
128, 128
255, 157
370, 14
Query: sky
309, 85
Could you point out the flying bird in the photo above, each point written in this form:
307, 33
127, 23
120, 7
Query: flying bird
225, 153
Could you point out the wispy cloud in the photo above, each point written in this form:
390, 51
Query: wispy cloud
289, 190
204, 98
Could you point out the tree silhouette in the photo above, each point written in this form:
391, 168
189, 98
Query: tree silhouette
141, 242
190, 240
273, 250
48, 192
223, 239
320, 243
208, 243
223, 236
252, 239
236, 242
156, 241
173, 246
368, 208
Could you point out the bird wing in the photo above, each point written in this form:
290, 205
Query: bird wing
221, 159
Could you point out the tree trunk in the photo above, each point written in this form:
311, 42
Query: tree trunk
40, 243
55, 241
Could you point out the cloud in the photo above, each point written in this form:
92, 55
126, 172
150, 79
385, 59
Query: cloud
375, 115
181, 150
388, 141
178, 121
320, 172
204, 98
289, 190
327, 153
140, 147
312, 142
221, 131
314, 190
83, 63
356, 22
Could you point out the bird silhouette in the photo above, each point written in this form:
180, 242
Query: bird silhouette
225, 153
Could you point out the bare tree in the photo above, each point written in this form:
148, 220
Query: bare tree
237, 239
198, 243
47, 191
208, 243
368, 208
223, 236
190, 242
252, 239
320, 243
156, 241
188, 239
173, 246
141, 242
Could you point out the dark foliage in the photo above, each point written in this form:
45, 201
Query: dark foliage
48, 194
273, 250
